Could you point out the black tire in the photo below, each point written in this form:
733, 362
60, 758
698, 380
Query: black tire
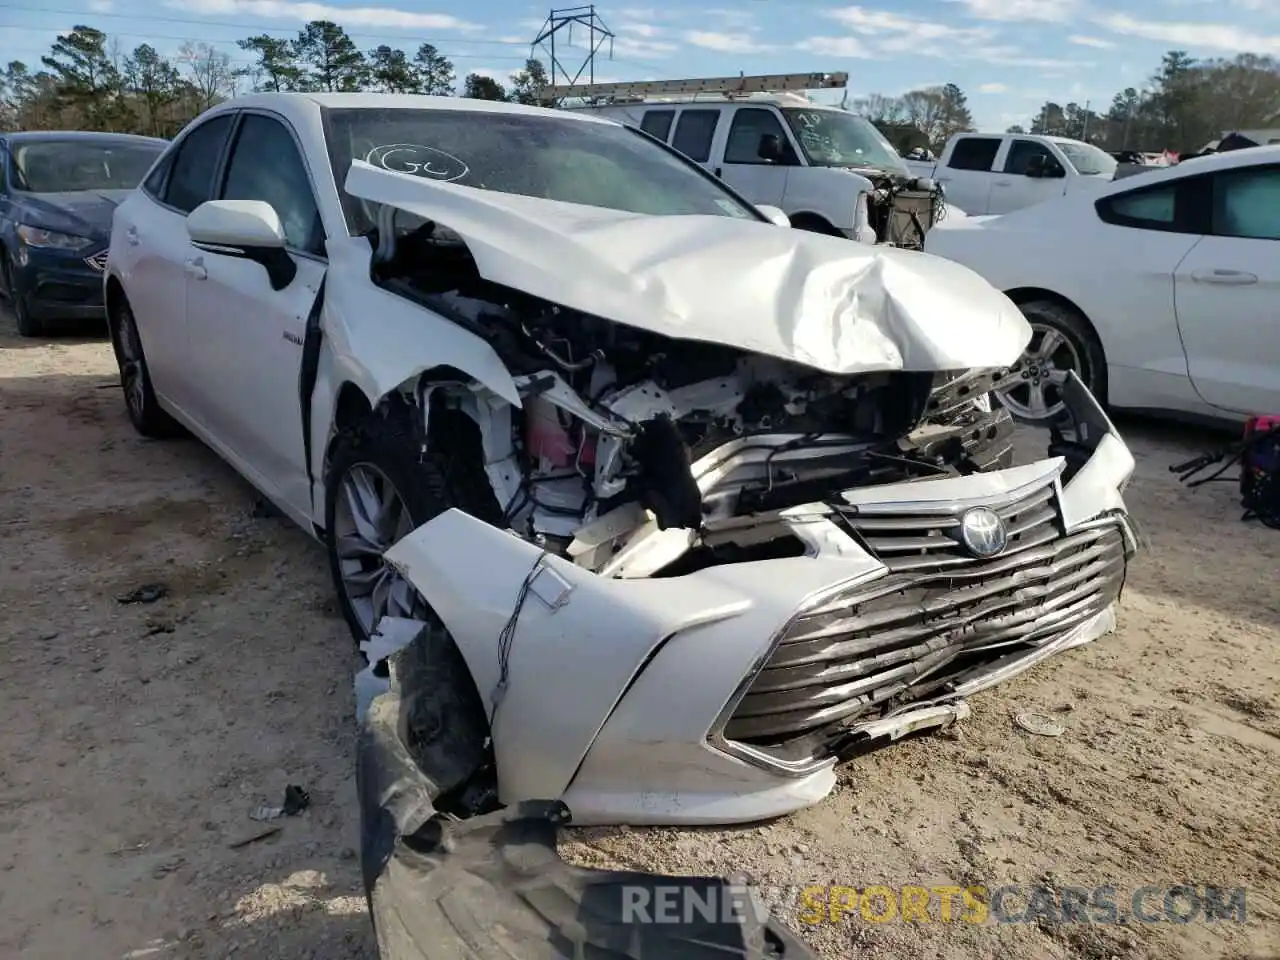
27, 323
450, 475
1083, 346
145, 413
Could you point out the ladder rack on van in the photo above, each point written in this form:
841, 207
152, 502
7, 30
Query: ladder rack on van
723, 86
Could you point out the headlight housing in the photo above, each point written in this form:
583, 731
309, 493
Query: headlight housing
51, 239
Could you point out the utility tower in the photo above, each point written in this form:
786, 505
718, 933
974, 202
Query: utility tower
561, 22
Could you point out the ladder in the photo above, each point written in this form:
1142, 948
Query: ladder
725, 86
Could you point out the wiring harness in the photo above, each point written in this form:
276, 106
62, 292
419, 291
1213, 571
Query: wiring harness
1258, 455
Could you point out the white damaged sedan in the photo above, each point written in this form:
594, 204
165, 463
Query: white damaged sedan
691, 505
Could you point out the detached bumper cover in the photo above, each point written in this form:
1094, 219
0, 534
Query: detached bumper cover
495, 888
728, 694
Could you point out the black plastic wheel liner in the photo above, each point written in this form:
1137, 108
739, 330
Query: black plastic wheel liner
494, 887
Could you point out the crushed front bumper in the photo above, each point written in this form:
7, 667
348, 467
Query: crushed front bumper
729, 694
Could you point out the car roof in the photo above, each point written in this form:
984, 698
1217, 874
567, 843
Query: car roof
292, 103
1230, 160
34, 136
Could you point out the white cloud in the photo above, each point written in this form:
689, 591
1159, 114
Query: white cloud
1096, 42
993, 88
1047, 11
1012, 57
102, 6
850, 47
724, 42
1216, 36
639, 29
305, 11
728, 17
898, 29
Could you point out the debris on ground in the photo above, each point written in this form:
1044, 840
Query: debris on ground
254, 837
295, 801
148, 593
1039, 725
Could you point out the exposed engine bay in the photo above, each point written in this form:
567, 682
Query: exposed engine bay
637, 455
901, 210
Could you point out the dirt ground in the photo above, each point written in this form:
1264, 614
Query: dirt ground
135, 739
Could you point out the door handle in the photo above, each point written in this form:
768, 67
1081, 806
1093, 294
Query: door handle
943, 179
1003, 183
1233, 278
131, 236
195, 268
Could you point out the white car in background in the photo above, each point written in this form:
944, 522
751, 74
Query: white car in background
682, 505
1162, 294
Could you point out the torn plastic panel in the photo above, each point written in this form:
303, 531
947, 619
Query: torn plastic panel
494, 886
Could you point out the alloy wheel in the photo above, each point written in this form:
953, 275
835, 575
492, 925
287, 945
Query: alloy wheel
129, 356
370, 517
1041, 372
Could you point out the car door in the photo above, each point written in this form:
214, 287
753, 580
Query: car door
1227, 292
757, 179
695, 130
246, 338
967, 174
1012, 189
149, 240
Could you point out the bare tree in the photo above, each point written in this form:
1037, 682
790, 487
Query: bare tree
210, 73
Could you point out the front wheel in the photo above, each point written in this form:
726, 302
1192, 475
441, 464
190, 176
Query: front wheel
1062, 342
145, 412
379, 488
27, 323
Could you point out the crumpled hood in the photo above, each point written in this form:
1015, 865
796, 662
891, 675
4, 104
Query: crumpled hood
826, 302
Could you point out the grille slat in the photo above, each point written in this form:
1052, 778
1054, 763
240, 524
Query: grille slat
937, 615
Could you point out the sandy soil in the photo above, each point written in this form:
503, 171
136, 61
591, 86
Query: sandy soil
137, 738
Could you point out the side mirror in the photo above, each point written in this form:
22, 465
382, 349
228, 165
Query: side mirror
774, 214
247, 229
770, 148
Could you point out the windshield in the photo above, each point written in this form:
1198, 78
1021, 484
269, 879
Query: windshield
1088, 160
834, 138
549, 157
65, 166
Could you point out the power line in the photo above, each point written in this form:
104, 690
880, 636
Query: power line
160, 36
188, 21
401, 37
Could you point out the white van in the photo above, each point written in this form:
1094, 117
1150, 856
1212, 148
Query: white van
828, 170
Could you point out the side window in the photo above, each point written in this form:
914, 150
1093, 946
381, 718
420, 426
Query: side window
749, 125
1246, 204
694, 131
974, 153
1020, 154
154, 184
194, 163
1151, 208
657, 123
265, 165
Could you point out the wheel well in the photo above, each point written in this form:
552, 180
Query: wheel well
1021, 295
115, 294
814, 223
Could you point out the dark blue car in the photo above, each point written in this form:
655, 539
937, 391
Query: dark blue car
57, 193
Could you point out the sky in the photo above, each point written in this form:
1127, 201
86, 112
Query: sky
1007, 55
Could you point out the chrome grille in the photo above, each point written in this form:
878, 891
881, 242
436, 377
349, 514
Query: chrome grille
98, 261
923, 542
907, 636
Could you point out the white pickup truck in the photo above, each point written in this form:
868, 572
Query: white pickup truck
993, 173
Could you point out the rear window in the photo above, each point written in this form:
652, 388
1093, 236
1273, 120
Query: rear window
549, 157
657, 123
974, 153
